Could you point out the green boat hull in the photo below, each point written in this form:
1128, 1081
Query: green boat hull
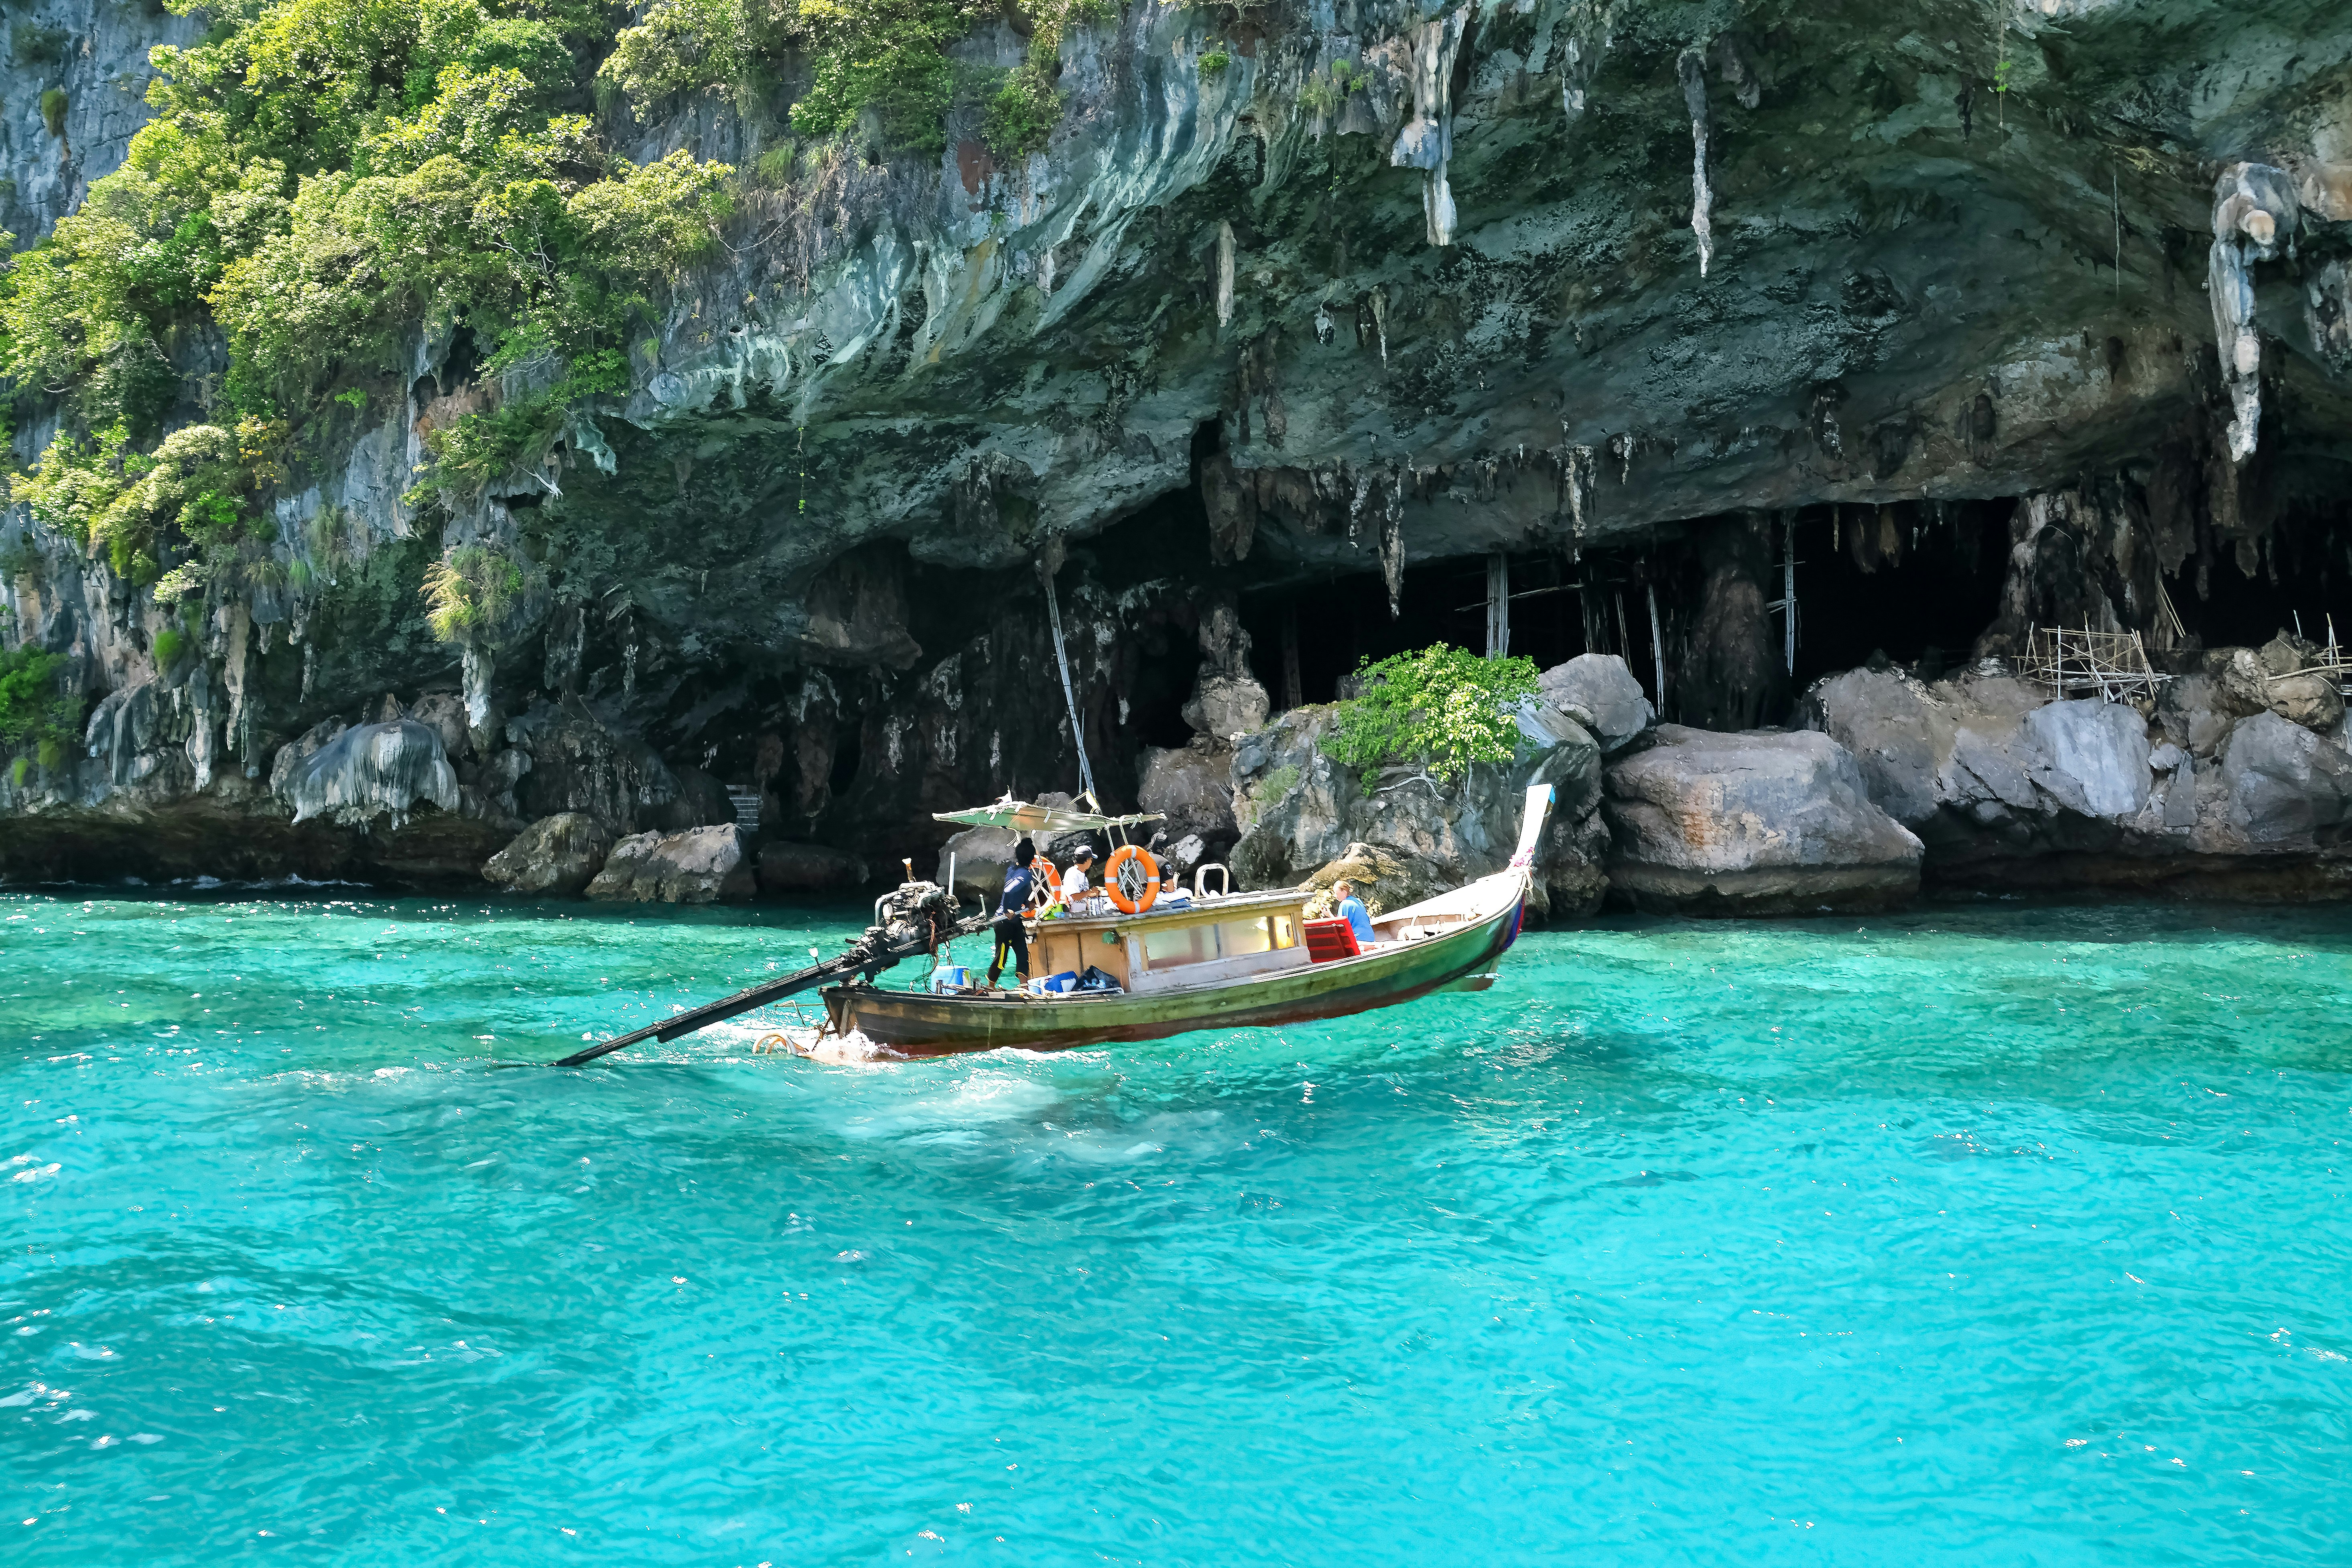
916, 1023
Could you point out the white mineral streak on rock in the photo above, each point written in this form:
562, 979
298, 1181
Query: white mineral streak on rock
1692, 68
1381, 323
2254, 212
476, 667
364, 771
1426, 143
1225, 273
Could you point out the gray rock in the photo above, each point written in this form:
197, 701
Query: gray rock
1224, 706
1599, 692
2097, 755
788, 866
1193, 787
444, 713
365, 772
559, 855
2281, 788
1300, 811
1761, 822
702, 866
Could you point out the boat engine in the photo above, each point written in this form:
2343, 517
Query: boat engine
914, 917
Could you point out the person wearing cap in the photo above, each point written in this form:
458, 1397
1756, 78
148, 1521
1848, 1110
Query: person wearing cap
1075, 884
1012, 937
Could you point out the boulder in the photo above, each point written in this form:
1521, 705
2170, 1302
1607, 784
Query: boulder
792, 866
701, 865
1599, 692
1757, 823
2280, 788
559, 855
1300, 811
1224, 706
1193, 787
2093, 756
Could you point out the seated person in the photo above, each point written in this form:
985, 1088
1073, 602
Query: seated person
1076, 883
1351, 909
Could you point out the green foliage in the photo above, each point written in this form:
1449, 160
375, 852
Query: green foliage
169, 645
322, 176
1443, 708
1213, 64
470, 590
1021, 113
34, 704
1324, 93
36, 46
51, 752
19, 771
53, 110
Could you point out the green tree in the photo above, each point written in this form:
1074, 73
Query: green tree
1442, 708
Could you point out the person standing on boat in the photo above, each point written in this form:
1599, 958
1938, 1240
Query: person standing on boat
1011, 938
1076, 883
1352, 910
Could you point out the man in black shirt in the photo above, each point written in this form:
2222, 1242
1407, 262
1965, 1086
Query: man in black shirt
1020, 881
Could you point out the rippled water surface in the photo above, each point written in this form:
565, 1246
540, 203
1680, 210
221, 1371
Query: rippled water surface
1996, 1234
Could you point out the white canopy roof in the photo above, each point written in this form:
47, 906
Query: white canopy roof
1024, 816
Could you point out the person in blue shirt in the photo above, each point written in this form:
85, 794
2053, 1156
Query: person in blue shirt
1011, 938
1352, 910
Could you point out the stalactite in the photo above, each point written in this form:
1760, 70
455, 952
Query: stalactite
1692, 68
1224, 276
1393, 545
2254, 213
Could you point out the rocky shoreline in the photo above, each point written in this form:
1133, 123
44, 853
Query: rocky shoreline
2233, 782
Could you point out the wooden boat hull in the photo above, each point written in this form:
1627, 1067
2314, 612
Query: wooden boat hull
916, 1023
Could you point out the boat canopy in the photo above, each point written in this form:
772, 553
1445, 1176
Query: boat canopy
1024, 816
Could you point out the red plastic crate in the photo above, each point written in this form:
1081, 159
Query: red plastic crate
1327, 940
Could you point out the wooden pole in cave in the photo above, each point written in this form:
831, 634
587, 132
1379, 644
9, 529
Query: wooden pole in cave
1498, 606
1294, 689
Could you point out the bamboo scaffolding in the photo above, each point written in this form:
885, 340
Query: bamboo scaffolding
2080, 662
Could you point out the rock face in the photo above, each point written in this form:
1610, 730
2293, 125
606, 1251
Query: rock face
556, 855
1757, 823
1405, 837
703, 866
2006, 788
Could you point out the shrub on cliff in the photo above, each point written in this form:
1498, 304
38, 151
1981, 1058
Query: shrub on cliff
34, 708
1442, 708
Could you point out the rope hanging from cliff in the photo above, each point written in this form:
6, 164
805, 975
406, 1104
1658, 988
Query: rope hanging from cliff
1062, 657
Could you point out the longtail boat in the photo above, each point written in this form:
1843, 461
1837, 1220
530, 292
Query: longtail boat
1209, 961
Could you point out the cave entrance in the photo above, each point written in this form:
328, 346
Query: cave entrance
1323, 630
1916, 581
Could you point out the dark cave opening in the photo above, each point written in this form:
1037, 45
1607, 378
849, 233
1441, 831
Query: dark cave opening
845, 755
1918, 581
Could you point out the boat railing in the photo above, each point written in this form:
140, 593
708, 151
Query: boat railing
1200, 881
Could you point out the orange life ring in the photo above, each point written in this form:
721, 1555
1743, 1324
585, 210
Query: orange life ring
1132, 879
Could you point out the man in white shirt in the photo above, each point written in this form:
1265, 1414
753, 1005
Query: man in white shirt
1076, 882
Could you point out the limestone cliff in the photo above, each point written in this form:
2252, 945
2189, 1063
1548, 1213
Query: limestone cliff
2009, 314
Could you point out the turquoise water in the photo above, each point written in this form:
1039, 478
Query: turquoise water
1995, 1234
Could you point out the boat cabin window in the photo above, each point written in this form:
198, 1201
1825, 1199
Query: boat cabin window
1184, 944
1227, 939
